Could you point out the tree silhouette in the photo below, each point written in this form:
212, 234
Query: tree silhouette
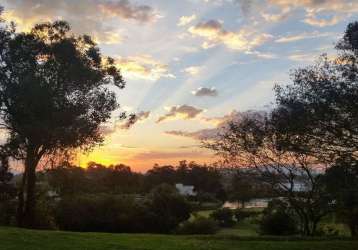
314, 123
319, 111
255, 142
54, 96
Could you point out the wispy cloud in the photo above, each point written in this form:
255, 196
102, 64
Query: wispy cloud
220, 124
214, 33
319, 13
193, 70
143, 67
165, 155
302, 57
185, 20
127, 10
202, 134
314, 21
302, 36
97, 18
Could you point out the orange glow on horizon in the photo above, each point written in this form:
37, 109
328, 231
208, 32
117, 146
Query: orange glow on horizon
138, 165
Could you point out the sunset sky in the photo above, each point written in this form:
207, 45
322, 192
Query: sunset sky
191, 65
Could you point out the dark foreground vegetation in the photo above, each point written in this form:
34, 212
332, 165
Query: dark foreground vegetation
14, 239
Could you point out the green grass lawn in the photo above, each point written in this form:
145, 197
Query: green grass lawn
249, 226
243, 228
20, 239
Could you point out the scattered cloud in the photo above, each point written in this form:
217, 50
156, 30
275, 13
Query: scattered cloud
219, 123
143, 67
94, 17
275, 17
185, 20
317, 6
319, 13
124, 9
126, 124
180, 112
314, 21
214, 33
203, 91
223, 120
203, 134
336, 9
133, 120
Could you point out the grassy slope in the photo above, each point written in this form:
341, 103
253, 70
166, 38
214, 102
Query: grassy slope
20, 239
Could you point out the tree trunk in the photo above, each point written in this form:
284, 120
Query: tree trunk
30, 203
27, 198
21, 200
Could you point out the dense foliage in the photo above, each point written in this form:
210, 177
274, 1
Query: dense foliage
277, 219
54, 96
199, 225
224, 217
161, 211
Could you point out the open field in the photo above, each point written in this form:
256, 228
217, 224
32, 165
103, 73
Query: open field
19, 239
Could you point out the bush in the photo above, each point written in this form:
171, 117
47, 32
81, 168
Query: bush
166, 209
328, 230
44, 215
8, 212
7, 202
241, 214
101, 213
277, 220
224, 216
200, 225
159, 212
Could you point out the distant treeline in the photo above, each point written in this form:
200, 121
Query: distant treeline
120, 179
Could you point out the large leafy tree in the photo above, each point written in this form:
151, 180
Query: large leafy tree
318, 113
53, 97
314, 123
254, 142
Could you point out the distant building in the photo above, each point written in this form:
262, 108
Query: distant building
185, 190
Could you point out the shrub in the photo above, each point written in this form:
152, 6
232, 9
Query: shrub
203, 197
7, 201
103, 213
159, 212
200, 225
224, 216
166, 209
44, 215
328, 230
277, 220
241, 214
7, 212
